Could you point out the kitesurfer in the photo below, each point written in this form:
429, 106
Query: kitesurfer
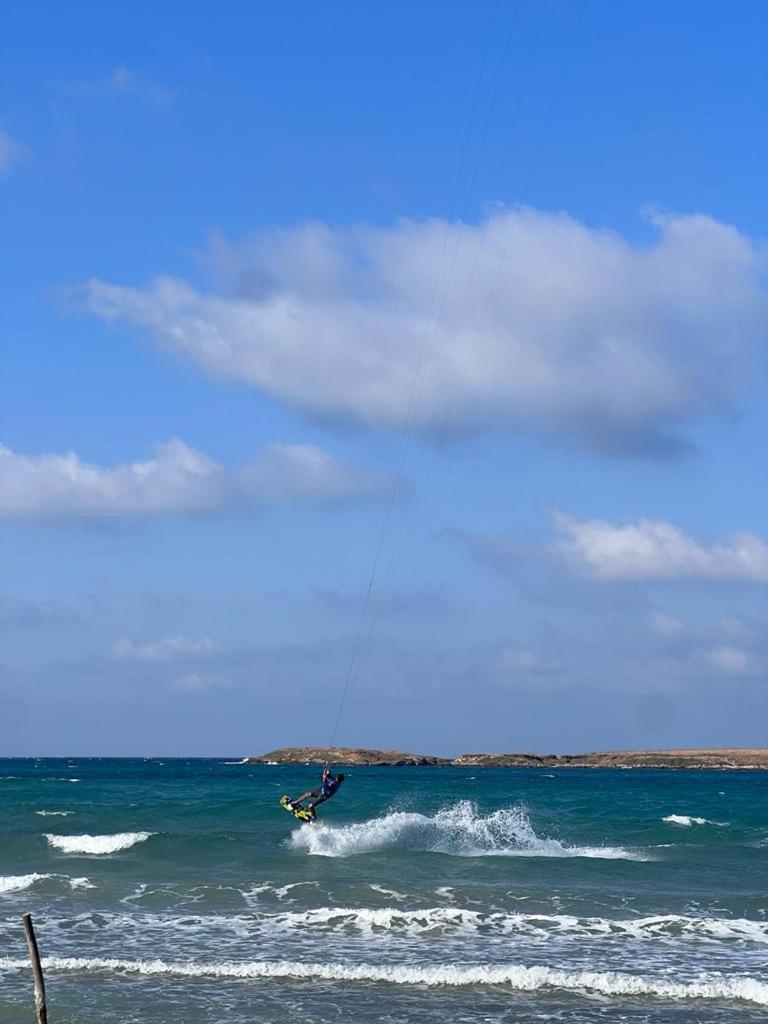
329, 784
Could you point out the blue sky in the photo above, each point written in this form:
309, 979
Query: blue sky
270, 270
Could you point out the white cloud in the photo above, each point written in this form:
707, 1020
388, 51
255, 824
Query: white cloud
168, 649
666, 625
547, 326
655, 549
10, 153
197, 682
177, 479
731, 660
290, 472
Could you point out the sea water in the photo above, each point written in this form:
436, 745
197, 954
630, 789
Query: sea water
179, 891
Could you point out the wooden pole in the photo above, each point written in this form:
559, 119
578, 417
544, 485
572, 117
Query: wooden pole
37, 971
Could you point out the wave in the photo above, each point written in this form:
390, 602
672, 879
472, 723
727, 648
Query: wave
541, 926
97, 844
432, 922
459, 831
689, 819
81, 883
16, 883
54, 814
519, 978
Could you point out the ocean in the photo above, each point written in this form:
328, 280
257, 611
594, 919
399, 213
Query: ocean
175, 891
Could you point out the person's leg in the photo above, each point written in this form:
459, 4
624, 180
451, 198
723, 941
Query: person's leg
306, 796
320, 800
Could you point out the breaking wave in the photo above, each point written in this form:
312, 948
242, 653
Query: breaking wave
81, 883
689, 819
513, 976
540, 926
97, 844
459, 831
54, 814
16, 883
432, 921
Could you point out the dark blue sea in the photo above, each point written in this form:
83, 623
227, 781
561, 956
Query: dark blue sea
179, 891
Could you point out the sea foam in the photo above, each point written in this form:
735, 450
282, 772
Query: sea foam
689, 819
668, 929
460, 831
280, 891
513, 976
97, 844
16, 883
451, 920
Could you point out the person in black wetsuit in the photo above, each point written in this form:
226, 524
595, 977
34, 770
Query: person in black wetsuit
329, 784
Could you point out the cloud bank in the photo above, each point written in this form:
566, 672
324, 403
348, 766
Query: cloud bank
177, 479
546, 326
653, 549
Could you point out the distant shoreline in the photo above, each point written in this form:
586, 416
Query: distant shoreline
747, 758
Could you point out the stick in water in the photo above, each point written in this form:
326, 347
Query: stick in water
37, 971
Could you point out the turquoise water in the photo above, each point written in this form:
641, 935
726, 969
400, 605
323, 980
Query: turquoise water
179, 891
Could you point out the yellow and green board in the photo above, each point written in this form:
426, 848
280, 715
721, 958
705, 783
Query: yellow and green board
298, 812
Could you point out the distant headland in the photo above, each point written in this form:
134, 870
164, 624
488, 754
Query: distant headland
742, 758
346, 755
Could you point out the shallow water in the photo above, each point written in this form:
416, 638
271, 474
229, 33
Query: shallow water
178, 890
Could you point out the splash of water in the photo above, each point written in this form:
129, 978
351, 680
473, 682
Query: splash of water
689, 819
459, 831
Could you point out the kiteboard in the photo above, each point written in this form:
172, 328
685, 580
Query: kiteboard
298, 812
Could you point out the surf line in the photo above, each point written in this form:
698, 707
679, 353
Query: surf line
513, 976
